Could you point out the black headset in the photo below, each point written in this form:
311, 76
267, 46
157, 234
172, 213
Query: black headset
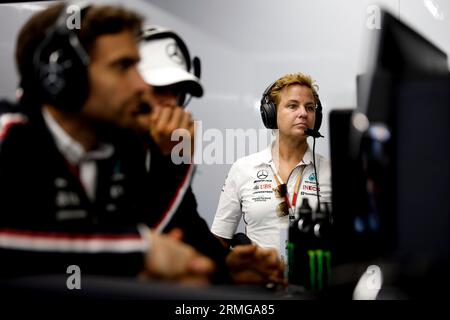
269, 111
60, 65
157, 33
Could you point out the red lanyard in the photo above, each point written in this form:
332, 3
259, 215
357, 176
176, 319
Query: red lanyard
296, 188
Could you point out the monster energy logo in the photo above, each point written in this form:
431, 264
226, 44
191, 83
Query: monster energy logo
316, 273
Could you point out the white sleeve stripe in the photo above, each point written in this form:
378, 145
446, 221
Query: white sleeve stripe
18, 241
7, 120
173, 206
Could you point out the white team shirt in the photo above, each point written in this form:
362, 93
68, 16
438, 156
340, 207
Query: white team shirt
248, 194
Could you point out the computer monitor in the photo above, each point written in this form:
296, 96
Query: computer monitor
381, 150
405, 52
400, 52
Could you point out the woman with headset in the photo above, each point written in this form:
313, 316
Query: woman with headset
266, 189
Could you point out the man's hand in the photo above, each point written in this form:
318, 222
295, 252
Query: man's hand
162, 122
249, 264
170, 259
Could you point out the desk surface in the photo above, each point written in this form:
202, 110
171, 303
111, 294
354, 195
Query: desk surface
100, 287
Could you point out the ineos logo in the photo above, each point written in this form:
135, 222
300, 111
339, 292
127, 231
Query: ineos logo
174, 53
262, 174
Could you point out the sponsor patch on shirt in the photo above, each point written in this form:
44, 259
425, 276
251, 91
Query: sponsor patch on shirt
67, 199
60, 183
312, 187
312, 177
116, 191
309, 194
62, 215
261, 187
260, 199
262, 174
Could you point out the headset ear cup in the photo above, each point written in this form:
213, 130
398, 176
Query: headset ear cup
263, 111
60, 68
273, 115
268, 109
62, 76
269, 115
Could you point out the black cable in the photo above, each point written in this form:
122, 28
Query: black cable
315, 172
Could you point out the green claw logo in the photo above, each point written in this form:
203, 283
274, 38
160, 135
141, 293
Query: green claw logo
316, 273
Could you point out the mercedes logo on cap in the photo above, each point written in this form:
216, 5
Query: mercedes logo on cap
262, 174
174, 53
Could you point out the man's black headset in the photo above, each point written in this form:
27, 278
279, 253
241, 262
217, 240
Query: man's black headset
194, 65
60, 65
269, 112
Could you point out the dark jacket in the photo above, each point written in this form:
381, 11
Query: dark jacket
47, 222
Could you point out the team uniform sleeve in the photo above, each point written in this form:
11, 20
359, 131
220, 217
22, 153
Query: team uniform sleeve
167, 184
229, 211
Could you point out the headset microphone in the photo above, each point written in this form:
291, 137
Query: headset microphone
313, 133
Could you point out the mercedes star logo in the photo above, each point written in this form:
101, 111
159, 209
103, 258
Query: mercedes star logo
262, 174
174, 53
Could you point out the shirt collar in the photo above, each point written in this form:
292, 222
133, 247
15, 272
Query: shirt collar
71, 149
307, 157
265, 156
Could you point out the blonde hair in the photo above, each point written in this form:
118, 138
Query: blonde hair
293, 79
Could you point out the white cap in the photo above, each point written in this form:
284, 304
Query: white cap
163, 63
